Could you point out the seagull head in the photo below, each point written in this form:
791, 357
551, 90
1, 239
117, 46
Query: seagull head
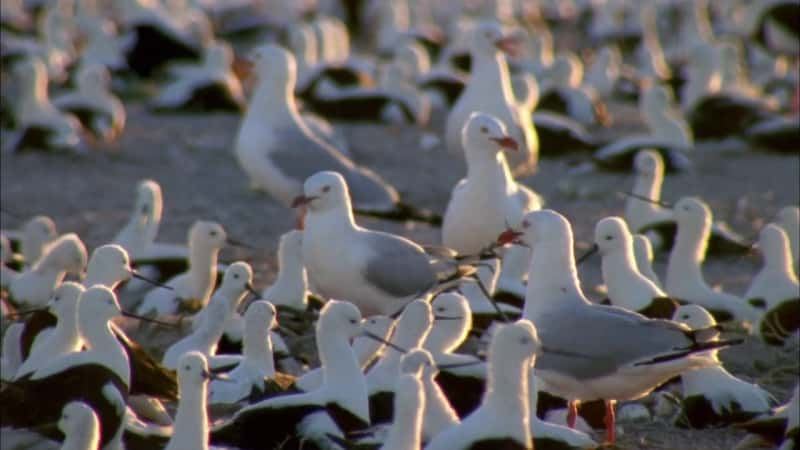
275, 65
612, 234
210, 235
452, 320
774, 246
39, 229
109, 265
694, 316
148, 200
238, 278
66, 253
344, 317
540, 226
488, 38
322, 191
193, 370
648, 163
487, 133
78, 418
260, 315
692, 211
516, 341
65, 298
98, 304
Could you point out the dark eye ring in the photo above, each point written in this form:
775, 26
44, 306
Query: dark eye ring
609, 237
213, 233
353, 321
236, 276
484, 130
326, 188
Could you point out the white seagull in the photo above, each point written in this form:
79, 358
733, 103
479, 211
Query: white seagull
67, 254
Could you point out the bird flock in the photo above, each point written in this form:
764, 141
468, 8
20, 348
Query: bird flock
366, 338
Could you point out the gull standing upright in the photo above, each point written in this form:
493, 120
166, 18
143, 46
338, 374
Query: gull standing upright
193, 288
290, 289
789, 219
627, 287
191, 420
278, 151
405, 432
775, 291
409, 332
593, 351
138, 235
712, 397
649, 168
490, 74
437, 413
484, 202
235, 285
502, 420
684, 274
379, 272
67, 254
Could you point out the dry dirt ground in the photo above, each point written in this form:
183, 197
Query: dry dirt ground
191, 157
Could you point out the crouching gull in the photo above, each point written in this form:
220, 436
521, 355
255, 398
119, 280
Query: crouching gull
67, 254
379, 272
589, 351
712, 397
278, 151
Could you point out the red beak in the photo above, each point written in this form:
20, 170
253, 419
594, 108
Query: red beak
508, 45
507, 142
302, 200
508, 236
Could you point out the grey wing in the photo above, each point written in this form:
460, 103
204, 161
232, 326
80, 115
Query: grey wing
300, 156
397, 266
593, 341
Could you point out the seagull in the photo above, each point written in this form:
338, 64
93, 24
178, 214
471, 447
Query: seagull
595, 351
462, 384
279, 157
339, 405
684, 273
488, 198
139, 233
712, 397
50, 344
405, 432
103, 44
410, 331
789, 219
67, 254
489, 74
255, 374
191, 420
775, 291
290, 290
367, 350
627, 287
192, 288
207, 86
502, 420
211, 323
378, 272
32, 239
99, 111
437, 413
779, 427
562, 93
98, 376
39, 125
643, 254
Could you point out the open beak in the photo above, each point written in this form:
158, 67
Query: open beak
302, 200
139, 276
509, 236
588, 253
507, 142
508, 44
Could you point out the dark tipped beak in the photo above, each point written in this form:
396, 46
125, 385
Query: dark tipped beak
252, 290
588, 254
384, 341
507, 142
509, 236
302, 200
208, 375
647, 199
148, 319
238, 243
457, 365
508, 44
139, 276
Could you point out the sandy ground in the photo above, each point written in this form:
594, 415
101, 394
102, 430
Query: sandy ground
191, 157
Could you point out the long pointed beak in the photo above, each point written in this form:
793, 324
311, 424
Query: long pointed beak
238, 243
588, 253
252, 290
384, 341
647, 199
457, 365
506, 142
302, 200
18, 314
509, 236
448, 317
148, 319
139, 276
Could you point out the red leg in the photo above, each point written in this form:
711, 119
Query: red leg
301, 218
611, 431
572, 413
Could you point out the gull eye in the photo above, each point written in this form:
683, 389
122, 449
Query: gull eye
609, 237
56, 298
484, 130
236, 276
685, 316
326, 188
525, 224
524, 340
440, 309
212, 233
353, 321
187, 367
